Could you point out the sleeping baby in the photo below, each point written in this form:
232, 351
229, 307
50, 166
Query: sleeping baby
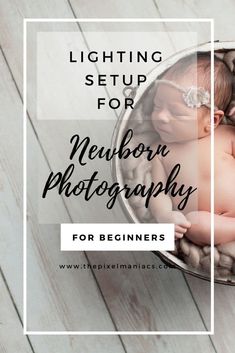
181, 116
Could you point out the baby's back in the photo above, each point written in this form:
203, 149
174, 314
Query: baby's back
194, 158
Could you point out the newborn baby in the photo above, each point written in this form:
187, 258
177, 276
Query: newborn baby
181, 116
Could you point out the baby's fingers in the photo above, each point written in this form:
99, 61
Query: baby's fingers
185, 224
180, 229
179, 235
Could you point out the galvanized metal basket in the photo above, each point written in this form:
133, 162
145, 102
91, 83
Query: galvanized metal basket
167, 257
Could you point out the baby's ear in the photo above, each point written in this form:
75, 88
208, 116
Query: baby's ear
218, 116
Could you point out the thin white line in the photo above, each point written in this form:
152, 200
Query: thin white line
212, 180
24, 178
118, 20
26, 20
162, 333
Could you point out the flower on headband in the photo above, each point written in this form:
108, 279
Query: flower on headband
195, 97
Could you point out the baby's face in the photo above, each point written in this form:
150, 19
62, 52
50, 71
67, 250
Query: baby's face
173, 119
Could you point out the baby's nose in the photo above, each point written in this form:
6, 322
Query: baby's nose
161, 116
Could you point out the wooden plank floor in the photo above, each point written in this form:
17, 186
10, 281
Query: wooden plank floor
122, 300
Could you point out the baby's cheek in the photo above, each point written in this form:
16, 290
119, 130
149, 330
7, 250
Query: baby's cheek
154, 118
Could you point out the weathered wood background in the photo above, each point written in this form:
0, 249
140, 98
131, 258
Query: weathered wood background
93, 300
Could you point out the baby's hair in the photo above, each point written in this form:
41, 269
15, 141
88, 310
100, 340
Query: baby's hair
201, 61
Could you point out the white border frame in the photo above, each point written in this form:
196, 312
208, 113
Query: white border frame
25, 331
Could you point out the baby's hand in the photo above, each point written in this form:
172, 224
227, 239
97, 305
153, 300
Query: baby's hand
180, 221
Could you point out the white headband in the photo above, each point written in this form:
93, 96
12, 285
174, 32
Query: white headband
194, 97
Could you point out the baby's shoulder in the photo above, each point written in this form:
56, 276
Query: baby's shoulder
225, 130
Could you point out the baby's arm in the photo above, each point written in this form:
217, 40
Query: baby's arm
161, 206
200, 231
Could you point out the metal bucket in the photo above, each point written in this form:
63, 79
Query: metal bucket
167, 257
